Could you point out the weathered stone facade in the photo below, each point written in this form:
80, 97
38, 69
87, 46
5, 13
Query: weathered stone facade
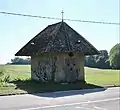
58, 67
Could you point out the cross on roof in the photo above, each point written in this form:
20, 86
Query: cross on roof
62, 14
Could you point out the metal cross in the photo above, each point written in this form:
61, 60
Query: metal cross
62, 14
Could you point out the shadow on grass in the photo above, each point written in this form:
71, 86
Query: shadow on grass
37, 88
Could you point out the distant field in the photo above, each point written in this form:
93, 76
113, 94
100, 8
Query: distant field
92, 75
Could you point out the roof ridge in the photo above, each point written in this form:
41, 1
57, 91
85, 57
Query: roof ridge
54, 24
67, 37
52, 41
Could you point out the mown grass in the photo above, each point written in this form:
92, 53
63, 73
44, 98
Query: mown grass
20, 82
16, 71
102, 77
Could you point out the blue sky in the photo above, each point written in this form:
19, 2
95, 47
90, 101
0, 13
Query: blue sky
16, 31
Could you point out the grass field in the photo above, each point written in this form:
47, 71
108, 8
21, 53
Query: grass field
102, 77
21, 83
16, 71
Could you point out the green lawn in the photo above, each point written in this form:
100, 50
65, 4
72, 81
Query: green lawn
102, 76
21, 83
16, 71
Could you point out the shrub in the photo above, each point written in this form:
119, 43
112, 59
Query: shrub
3, 77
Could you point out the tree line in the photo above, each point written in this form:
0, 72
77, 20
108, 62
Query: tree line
20, 61
102, 60
105, 61
98, 61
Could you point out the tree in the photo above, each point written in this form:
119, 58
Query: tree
18, 60
103, 60
90, 61
98, 61
115, 56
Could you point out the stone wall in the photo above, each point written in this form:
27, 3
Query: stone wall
58, 67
